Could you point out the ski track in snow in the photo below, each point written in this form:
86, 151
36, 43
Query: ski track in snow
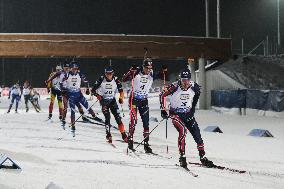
49, 155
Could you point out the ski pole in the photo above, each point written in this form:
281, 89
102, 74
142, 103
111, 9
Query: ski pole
167, 136
87, 110
131, 98
150, 133
167, 118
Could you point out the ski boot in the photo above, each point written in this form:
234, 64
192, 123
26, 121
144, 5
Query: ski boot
73, 130
124, 137
182, 161
63, 122
9, 109
204, 160
130, 143
49, 116
108, 137
147, 148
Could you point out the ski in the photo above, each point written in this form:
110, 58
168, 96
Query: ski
110, 143
218, 167
49, 120
101, 122
158, 155
187, 170
152, 153
120, 140
91, 122
132, 151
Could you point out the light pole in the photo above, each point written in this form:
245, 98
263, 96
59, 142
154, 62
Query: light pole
218, 18
207, 17
278, 24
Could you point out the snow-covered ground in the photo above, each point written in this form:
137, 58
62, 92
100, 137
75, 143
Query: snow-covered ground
51, 158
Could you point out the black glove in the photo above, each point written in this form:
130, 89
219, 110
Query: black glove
48, 90
93, 91
87, 91
164, 114
63, 92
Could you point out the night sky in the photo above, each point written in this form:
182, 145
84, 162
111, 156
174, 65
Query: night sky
251, 19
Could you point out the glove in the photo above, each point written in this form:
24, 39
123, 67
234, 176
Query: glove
99, 97
63, 92
93, 91
164, 114
120, 100
133, 69
87, 91
48, 90
121, 97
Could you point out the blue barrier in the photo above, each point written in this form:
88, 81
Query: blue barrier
260, 133
215, 129
228, 98
254, 99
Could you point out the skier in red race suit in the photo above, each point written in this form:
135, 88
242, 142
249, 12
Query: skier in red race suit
184, 95
142, 80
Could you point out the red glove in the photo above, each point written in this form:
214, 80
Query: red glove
99, 97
